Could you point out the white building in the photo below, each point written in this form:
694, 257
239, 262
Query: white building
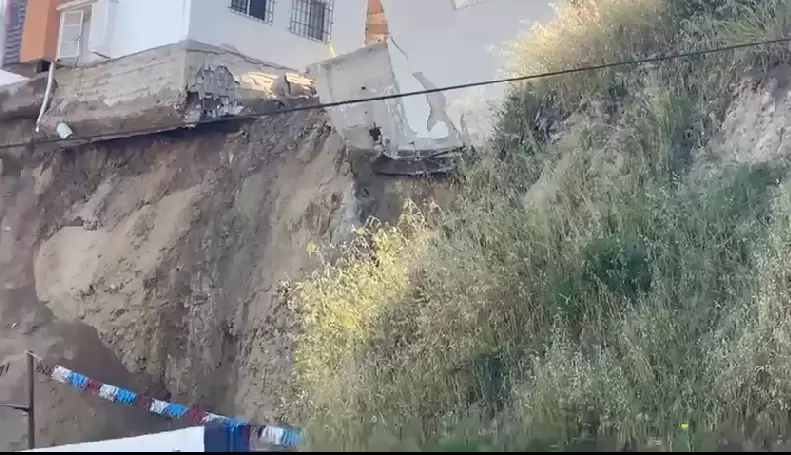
289, 33
292, 33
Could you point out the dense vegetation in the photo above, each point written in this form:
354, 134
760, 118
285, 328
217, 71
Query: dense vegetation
612, 273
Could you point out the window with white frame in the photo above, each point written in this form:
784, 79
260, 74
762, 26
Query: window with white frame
312, 19
86, 28
71, 39
263, 10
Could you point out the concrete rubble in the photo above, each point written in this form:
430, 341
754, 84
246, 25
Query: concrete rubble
368, 73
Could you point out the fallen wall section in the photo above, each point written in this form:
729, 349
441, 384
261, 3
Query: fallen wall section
368, 73
364, 73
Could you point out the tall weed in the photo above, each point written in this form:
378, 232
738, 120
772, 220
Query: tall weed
587, 288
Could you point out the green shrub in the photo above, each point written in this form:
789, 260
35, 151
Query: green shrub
604, 279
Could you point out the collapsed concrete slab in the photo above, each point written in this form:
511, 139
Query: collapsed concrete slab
381, 124
364, 73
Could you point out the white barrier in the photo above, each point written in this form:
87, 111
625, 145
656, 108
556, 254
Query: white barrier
186, 440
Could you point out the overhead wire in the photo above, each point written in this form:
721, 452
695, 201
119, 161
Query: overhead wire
348, 102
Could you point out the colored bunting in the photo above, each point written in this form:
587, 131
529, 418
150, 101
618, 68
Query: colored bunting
256, 434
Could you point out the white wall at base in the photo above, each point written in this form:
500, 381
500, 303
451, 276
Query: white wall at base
127, 27
138, 25
186, 440
10, 78
213, 22
452, 46
364, 73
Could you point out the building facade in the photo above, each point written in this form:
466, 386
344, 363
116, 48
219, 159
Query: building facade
289, 33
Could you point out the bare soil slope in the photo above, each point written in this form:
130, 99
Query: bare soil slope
153, 263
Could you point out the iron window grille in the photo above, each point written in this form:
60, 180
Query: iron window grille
262, 10
312, 19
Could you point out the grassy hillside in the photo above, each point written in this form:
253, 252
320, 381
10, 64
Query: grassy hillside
607, 277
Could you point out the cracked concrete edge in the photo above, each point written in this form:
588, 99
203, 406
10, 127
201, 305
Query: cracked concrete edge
108, 100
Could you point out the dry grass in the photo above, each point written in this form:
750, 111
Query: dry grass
587, 288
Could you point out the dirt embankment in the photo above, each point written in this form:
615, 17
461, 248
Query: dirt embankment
153, 263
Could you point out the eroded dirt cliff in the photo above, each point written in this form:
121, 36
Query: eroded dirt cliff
153, 263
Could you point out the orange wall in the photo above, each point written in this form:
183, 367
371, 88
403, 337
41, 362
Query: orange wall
40, 33
376, 28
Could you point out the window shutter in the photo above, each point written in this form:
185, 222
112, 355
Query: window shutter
12, 26
70, 32
102, 19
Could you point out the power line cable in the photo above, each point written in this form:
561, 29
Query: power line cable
315, 106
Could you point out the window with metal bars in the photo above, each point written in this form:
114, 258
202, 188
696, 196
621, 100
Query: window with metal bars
263, 10
312, 19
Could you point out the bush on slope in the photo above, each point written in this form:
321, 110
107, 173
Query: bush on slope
590, 285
